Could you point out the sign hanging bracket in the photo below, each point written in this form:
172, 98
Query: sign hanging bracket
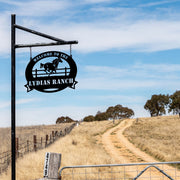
30, 53
58, 41
71, 50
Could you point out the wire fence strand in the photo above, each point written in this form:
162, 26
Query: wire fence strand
32, 145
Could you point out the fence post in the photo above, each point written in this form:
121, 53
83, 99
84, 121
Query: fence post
27, 145
53, 136
17, 147
41, 141
35, 142
46, 140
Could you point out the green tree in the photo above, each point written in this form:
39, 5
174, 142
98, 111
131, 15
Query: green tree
101, 116
157, 105
110, 112
122, 112
63, 119
119, 112
89, 118
174, 104
126, 112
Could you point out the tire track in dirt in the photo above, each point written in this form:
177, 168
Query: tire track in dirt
123, 151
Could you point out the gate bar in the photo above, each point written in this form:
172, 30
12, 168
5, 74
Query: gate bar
161, 171
112, 165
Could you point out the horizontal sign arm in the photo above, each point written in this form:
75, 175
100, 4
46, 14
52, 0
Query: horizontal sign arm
45, 44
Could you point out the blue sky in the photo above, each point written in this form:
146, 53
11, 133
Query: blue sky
127, 51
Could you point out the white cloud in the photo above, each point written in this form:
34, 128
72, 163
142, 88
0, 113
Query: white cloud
143, 36
25, 101
36, 8
165, 68
5, 104
122, 99
157, 3
96, 1
136, 76
4, 34
121, 31
48, 115
113, 84
138, 70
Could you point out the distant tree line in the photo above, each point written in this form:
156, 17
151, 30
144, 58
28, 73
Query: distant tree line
112, 112
63, 119
160, 104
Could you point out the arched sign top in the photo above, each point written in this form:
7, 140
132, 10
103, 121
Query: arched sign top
51, 71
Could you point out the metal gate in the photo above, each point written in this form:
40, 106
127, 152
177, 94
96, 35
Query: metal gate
135, 171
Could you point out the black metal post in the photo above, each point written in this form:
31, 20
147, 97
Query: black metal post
13, 98
13, 78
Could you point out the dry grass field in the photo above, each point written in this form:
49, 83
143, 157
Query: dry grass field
26, 133
77, 148
157, 136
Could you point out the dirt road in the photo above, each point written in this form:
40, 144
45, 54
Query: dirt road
123, 151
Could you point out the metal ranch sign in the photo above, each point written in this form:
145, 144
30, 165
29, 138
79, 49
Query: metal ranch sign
47, 72
51, 71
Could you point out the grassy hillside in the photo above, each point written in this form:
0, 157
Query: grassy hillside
77, 148
158, 136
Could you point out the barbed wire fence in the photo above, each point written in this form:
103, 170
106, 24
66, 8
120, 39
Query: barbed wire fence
32, 146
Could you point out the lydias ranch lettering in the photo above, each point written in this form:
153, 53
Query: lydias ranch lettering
50, 72
50, 81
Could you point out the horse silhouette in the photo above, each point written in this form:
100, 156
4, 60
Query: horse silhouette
51, 67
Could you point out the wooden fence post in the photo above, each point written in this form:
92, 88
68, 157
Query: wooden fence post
51, 166
17, 147
35, 142
46, 140
41, 141
27, 145
53, 136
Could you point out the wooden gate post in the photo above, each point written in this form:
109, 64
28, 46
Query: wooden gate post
51, 166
